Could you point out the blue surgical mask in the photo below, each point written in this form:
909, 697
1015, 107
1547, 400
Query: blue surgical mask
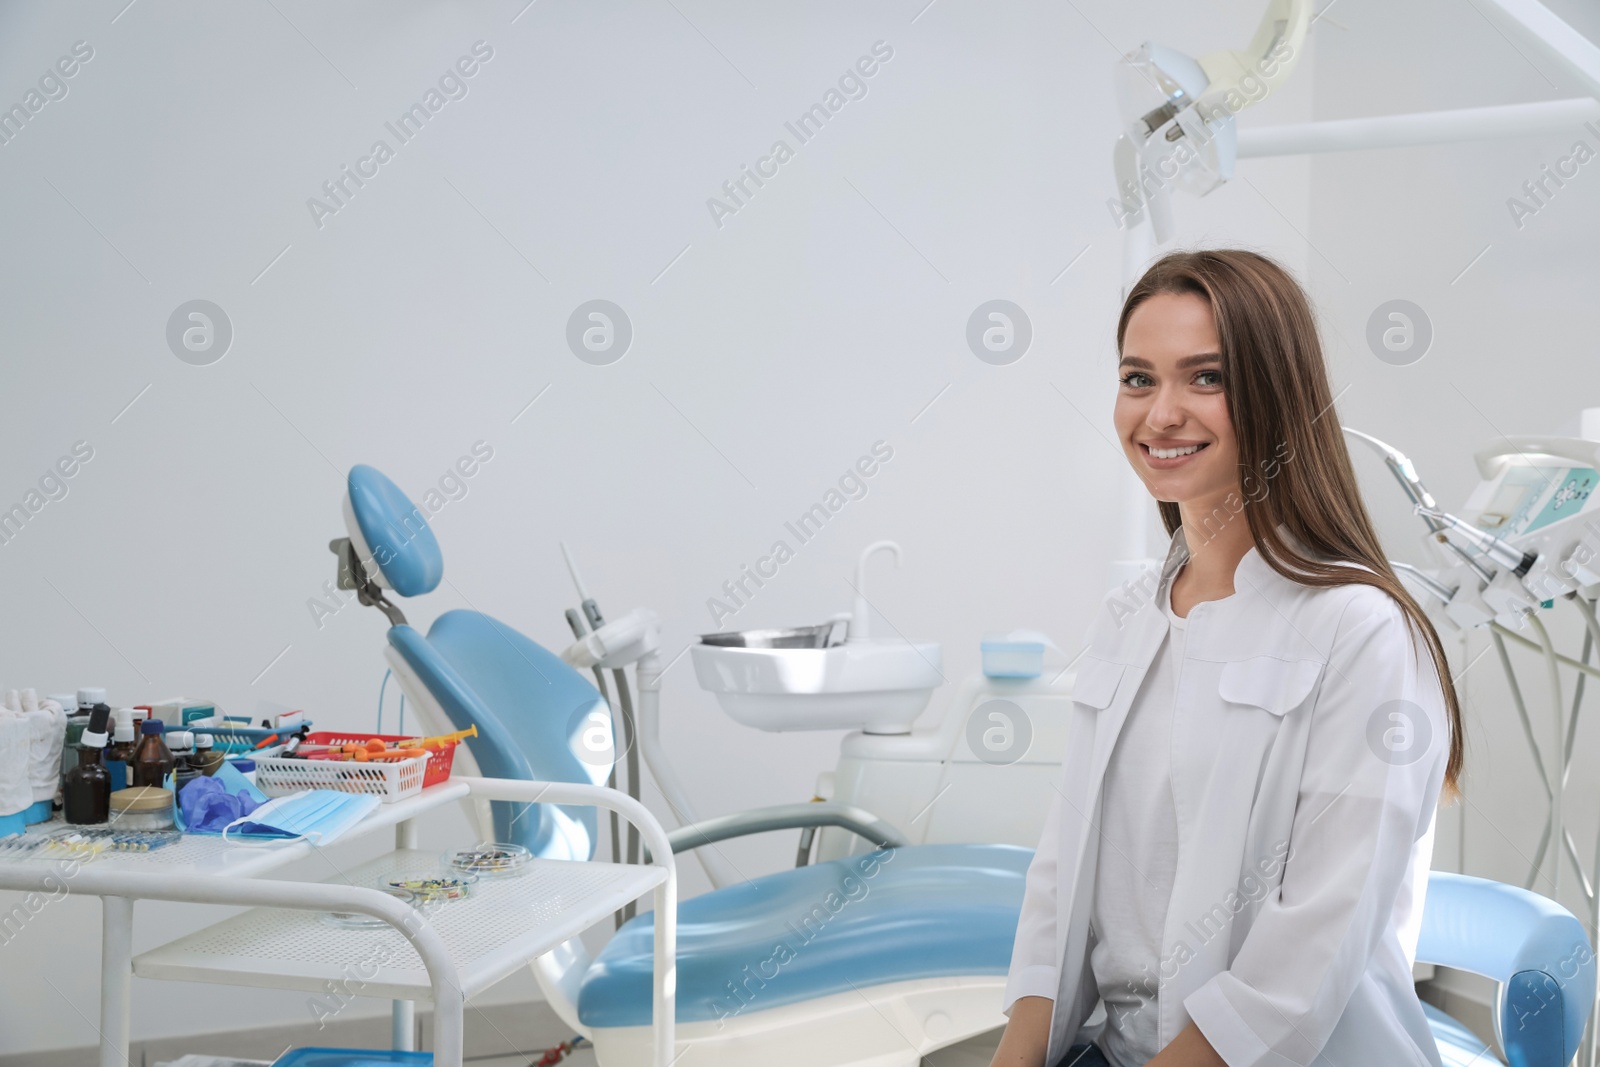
319, 815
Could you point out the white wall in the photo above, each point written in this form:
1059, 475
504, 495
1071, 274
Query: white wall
823, 317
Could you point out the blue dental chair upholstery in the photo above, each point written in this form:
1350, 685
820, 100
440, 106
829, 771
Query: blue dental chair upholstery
523, 699
472, 663
926, 911
1533, 947
919, 912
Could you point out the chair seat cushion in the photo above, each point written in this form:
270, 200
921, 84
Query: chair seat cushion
924, 911
1458, 1046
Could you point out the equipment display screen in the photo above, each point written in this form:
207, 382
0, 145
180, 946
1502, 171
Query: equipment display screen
1530, 497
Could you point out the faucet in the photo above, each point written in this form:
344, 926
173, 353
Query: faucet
858, 618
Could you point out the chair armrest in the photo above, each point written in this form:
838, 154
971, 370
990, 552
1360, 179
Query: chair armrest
1531, 945
785, 817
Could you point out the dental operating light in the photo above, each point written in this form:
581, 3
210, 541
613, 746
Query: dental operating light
1177, 112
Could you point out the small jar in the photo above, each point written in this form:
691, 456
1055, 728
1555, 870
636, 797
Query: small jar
206, 759
144, 807
181, 742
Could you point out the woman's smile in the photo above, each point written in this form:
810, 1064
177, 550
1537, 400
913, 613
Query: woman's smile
1169, 455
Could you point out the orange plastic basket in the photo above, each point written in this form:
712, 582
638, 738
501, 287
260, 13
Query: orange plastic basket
439, 759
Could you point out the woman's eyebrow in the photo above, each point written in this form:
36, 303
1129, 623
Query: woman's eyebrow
1185, 363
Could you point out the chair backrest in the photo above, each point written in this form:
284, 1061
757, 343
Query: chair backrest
531, 709
1533, 947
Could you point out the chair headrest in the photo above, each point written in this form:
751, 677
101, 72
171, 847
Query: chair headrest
391, 535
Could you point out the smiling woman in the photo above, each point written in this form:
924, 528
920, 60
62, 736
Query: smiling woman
1257, 895
1178, 434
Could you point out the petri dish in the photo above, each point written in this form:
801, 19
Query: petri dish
439, 888
353, 920
492, 860
358, 920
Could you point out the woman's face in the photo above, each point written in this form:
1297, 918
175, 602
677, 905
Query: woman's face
1171, 414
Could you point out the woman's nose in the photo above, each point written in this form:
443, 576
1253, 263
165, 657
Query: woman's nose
1165, 411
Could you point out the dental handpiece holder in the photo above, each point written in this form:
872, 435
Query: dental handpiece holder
1529, 535
617, 644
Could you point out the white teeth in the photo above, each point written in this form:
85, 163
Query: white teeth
1174, 453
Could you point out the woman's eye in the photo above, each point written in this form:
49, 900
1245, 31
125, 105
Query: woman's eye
1135, 380
1208, 377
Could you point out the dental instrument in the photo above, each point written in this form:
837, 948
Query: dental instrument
489, 860
622, 712
21, 844
580, 628
439, 740
1530, 538
118, 840
439, 889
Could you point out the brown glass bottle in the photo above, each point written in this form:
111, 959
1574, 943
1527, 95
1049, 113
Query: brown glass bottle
86, 788
152, 760
120, 752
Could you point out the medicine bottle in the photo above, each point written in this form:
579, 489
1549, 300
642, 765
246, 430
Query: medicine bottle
152, 760
181, 744
86, 788
120, 752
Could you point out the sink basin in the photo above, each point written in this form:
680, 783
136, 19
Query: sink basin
876, 686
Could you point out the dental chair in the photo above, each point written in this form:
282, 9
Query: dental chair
873, 960
899, 951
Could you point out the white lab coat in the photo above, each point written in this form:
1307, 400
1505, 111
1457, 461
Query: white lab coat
1305, 803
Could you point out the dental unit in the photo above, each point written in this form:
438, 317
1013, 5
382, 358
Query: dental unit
908, 876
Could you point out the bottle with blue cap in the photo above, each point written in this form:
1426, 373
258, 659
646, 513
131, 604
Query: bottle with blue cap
152, 760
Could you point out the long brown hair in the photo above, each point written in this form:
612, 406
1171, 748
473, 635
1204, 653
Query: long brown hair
1275, 383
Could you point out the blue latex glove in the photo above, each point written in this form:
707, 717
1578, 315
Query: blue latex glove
207, 805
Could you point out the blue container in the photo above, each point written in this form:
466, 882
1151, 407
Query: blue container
1018, 654
39, 812
350, 1057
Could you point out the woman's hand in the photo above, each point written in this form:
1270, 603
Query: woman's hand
1027, 1036
1189, 1049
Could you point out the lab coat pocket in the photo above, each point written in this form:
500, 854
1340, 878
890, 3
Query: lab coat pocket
1276, 685
1097, 682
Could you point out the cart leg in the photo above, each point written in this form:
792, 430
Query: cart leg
666, 972
403, 1021
403, 1026
116, 979
449, 1026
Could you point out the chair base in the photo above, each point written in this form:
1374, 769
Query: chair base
892, 1025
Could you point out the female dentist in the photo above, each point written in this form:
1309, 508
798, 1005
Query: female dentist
1238, 845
